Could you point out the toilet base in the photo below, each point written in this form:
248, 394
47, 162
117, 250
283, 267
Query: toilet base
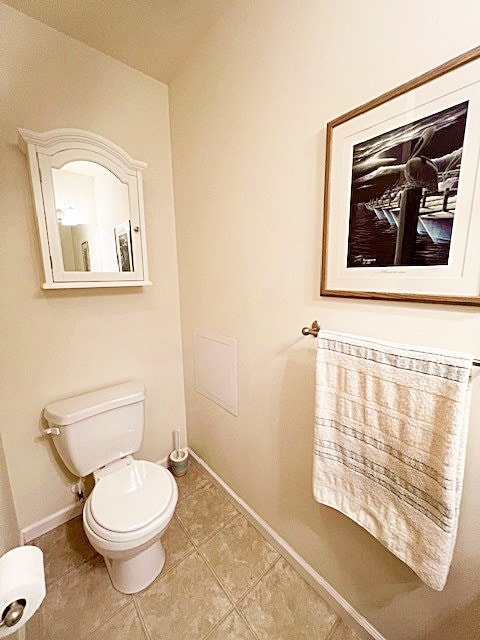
133, 574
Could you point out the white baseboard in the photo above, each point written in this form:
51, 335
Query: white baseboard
50, 522
352, 617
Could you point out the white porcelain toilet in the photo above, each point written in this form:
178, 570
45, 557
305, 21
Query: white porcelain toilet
132, 501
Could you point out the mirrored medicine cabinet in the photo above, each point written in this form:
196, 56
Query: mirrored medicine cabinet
88, 200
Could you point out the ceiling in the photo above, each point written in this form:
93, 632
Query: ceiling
153, 36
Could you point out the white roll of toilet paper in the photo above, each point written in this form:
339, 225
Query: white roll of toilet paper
22, 578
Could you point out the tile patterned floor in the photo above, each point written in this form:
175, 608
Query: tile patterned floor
221, 581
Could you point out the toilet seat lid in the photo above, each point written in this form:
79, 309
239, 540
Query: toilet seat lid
131, 497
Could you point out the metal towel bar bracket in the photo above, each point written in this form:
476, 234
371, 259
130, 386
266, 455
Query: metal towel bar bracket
315, 328
311, 331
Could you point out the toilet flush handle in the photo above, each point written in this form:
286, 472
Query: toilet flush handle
52, 431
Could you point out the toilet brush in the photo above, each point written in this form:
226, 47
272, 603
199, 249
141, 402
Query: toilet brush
178, 457
176, 435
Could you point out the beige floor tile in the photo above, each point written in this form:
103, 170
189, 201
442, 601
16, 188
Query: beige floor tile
239, 555
125, 625
193, 480
76, 604
232, 628
186, 602
64, 549
343, 632
282, 606
176, 544
205, 512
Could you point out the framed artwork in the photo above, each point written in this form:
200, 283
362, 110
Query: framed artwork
402, 192
86, 256
123, 244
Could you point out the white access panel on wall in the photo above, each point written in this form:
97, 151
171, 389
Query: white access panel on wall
216, 369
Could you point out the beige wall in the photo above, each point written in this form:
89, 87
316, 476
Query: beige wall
248, 123
58, 343
9, 536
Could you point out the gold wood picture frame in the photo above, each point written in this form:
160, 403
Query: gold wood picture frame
402, 192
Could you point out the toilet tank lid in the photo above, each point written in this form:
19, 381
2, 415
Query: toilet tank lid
72, 410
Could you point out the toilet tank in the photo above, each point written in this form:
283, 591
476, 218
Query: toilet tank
96, 428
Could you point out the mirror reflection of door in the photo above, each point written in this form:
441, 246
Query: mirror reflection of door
93, 217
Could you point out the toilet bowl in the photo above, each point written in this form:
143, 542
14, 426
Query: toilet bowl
125, 517
132, 501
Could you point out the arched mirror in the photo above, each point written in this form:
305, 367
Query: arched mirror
89, 205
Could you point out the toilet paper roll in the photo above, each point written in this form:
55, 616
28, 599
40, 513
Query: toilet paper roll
22, 577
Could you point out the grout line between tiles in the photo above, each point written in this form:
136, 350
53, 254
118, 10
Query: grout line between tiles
51, 582
309, 586
140, 617
323, 590
192, 494
234, 600
197, 547
212, 630
209, 482
182, 526
194, 491
254, 584
93, 633
185, 531
257, 580
282, 557
230, 609
239, 600
212, 535
247, 623
224, 589
164, 573
332, 631
95, 558
167, 571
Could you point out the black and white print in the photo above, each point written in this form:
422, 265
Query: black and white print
427, 154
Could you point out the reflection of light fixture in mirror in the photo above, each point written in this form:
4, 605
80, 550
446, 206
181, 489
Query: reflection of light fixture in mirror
67, 215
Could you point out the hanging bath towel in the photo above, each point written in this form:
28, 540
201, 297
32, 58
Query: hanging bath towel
391, 426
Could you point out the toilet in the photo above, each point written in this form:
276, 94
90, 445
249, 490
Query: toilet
133, 501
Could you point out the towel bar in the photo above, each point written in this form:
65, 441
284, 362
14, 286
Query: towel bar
315, 328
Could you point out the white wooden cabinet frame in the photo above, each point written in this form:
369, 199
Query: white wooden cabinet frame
52, 150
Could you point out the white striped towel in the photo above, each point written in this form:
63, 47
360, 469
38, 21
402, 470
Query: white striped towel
391, 425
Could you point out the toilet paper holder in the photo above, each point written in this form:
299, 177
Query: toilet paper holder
13, 613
